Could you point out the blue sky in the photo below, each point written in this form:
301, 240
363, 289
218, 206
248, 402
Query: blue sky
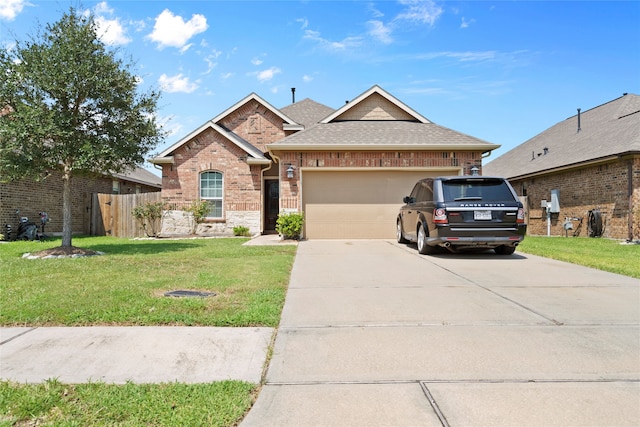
502, 71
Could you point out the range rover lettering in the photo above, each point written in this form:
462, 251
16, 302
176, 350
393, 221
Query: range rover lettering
462, 213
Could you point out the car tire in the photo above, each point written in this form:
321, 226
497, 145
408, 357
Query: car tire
423, 247
399, 236
505, 250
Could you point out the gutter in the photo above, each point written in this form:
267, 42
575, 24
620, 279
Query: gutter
381, 147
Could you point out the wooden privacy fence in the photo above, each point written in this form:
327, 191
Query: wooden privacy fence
111, 214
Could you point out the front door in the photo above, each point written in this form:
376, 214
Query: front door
272, 204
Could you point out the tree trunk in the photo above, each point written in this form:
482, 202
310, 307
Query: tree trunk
66, 207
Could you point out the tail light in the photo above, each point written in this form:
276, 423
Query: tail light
520, 217
440, 216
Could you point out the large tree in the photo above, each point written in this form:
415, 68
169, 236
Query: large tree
68, 102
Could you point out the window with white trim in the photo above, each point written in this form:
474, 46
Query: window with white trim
211, 186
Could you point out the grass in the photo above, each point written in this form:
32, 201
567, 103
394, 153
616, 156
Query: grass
127, 285
98, 404
602, 254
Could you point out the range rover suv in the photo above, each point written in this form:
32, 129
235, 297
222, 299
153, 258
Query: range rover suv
462, 213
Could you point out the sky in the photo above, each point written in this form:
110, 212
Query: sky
502, 71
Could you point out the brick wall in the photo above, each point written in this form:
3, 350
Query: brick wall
213, 152
31, 197
255, 123
603, 186
289, 189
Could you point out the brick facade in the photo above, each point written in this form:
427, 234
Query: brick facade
290, 198
604, 186
31, 198
211, 151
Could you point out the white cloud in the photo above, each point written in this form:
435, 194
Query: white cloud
172, 30
465, 23
9, 9
226, 76
266, 75
304, 23
346, 43
103, 8
211, 61
307, 78
420, 11
111, 31
256, 61
177, 83
380, 32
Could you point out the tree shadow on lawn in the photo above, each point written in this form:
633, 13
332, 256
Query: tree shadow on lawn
142, 248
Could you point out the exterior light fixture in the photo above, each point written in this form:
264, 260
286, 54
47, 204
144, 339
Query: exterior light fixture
474, 170
290, 171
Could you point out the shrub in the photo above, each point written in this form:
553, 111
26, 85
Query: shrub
289, 225
149, 217
199, 210
241, 230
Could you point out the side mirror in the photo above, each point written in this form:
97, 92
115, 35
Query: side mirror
407, 199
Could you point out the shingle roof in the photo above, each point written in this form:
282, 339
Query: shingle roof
382, 134
141, 176
307, 112
608, 130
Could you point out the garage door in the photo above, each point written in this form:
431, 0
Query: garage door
355, 204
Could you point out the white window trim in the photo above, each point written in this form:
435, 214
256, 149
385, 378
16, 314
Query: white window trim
221, 198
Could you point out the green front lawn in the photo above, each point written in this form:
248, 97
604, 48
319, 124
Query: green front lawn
126, 286
603, 254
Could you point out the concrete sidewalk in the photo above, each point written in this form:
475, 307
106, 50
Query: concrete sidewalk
372, 334
137, 354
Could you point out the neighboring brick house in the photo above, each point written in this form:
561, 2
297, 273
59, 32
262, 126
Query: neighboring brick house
31, 197
593, 159
347, 170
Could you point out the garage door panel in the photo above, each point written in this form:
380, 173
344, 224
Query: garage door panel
360, 221
355, 204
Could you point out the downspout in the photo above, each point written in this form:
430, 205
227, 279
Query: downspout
630, 196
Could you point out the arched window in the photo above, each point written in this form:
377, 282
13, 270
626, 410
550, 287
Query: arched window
211, 186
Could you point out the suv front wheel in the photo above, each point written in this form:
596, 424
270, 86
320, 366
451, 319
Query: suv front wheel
504, 250
399, 237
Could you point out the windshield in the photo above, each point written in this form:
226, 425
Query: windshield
494, 190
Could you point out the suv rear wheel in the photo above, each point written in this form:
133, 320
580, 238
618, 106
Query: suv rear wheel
423, 247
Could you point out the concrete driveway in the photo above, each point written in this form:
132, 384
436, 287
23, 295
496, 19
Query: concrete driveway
373, 334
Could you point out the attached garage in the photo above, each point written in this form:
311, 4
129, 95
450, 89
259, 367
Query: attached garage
356, 204
349, 172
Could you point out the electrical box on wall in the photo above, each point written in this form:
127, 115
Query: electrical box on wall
555, 201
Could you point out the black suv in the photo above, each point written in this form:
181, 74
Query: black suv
462, 213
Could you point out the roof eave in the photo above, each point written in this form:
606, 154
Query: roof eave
383, 147
572, 166
166, 160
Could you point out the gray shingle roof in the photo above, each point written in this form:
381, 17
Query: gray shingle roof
141, 176
608, 130
307, 112
381, 134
